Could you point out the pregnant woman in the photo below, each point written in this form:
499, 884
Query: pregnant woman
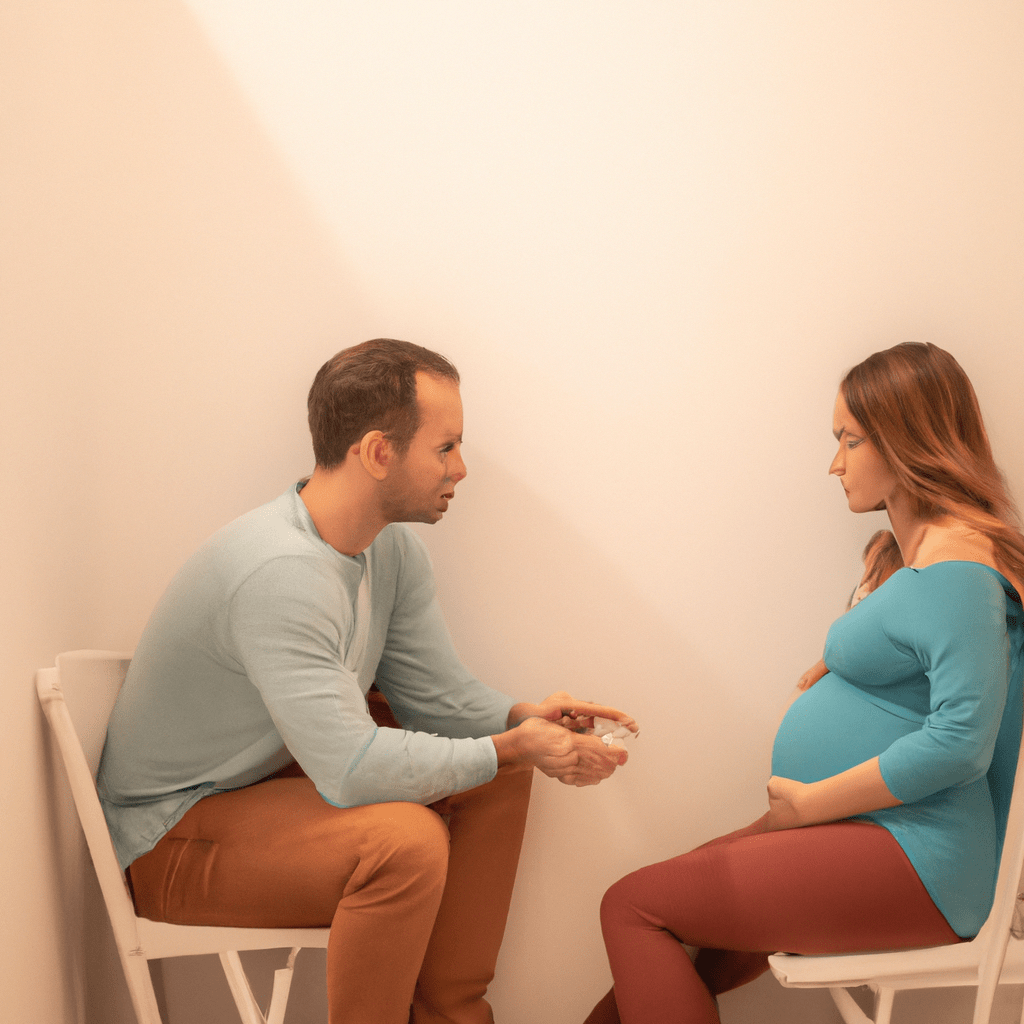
891, 775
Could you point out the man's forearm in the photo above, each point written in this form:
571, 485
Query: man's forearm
520, 712
508, 750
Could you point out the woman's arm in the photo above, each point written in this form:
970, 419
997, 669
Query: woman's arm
812, 675
858, 790
951, 620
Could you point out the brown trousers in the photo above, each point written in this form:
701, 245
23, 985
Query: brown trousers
416, 897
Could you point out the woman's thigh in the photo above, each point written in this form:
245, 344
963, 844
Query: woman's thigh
841, 887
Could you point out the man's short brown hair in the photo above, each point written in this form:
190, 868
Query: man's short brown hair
367, 387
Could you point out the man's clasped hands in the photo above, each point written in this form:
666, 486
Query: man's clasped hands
557, 736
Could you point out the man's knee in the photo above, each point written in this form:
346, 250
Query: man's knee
412, 846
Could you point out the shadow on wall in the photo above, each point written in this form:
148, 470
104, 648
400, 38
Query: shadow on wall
166, 288
171, 290
534, 606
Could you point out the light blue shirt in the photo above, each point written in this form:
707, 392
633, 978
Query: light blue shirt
925, 673
247, 662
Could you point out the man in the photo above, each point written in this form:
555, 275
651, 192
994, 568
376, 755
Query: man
245, 782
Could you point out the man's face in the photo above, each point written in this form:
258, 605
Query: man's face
420, 483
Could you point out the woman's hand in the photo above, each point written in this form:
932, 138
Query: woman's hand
812, 675
784, 804
859, 789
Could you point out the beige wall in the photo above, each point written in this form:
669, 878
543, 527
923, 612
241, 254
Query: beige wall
651, 236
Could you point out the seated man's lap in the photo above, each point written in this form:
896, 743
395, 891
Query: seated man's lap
276, 854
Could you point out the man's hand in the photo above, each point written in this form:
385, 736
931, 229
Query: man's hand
536, 743
569, 712
596, 761
572, 758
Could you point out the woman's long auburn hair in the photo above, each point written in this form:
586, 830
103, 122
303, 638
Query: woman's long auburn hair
920, 411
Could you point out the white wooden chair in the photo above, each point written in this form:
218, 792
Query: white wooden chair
77, 697
995, 956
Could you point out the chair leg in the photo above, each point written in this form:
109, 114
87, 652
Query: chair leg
248, 1009
853, 1014
988, 982
140, 988
282, 986
883, 1005
983, 1003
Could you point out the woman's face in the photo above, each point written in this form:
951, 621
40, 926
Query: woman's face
868, 481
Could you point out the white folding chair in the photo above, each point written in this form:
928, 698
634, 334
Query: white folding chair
77, 697
995, 956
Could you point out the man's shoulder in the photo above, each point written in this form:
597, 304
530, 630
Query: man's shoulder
264, 535
269, 527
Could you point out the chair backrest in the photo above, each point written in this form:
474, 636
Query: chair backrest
995, 932
89, 682
77, 697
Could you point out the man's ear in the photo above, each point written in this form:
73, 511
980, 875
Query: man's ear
376, 454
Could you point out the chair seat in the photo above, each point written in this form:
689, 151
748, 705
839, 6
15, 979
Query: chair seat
158, 939
934, 967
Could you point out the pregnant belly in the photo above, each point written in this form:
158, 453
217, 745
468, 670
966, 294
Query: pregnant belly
834, 726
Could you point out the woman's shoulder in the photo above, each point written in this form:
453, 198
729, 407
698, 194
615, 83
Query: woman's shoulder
938, 608
953, 573
952, 596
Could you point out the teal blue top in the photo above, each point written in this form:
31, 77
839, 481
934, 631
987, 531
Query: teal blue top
262, 650
925, 673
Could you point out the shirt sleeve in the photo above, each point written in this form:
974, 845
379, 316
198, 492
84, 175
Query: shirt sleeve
954, 624
286, 624
420, 673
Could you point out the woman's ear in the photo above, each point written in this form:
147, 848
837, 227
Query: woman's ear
376, 454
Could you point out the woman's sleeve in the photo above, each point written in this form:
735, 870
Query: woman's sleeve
954, 623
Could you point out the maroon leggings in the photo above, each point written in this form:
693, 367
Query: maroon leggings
841, 887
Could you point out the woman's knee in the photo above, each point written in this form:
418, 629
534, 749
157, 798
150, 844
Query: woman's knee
635, 899
618, 905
